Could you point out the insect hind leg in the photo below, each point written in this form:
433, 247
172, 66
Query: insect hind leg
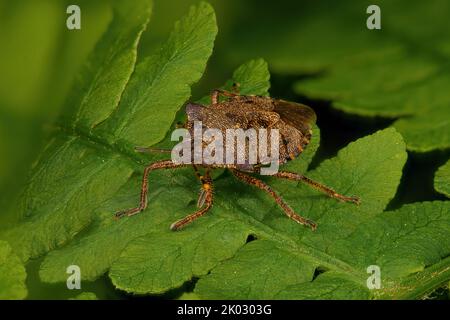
316, 185
263, 186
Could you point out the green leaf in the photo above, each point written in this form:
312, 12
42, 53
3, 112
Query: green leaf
442, 179
302, 250
188, 296
72, 179
253, 78
159, 260
365, 88
133, 249
85, 296
327, 286
81, 169
258, 270
73, 174
427, 108
161, 83
428, 130
107, 71
12, 274
409, 245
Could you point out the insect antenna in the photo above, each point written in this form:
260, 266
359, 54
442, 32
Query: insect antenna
150, 150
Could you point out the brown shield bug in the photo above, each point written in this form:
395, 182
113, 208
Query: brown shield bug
293, 122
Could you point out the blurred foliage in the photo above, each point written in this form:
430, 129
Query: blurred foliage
85, 296
319, 52
12, 274
442, 179
398, 72
38, 61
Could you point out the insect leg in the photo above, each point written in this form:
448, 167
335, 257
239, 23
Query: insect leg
197, 173
205, 180
330, 192
217, 92
263, 186
201, 198
163, 164
208, 201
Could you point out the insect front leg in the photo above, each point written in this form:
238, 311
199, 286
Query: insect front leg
206, 182
263, 186
205, 200
215, 94
316, 185
163, 164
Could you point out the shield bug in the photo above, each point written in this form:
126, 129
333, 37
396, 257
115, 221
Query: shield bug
292, 120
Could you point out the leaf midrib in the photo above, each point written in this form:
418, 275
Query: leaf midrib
99, 143
301, 249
